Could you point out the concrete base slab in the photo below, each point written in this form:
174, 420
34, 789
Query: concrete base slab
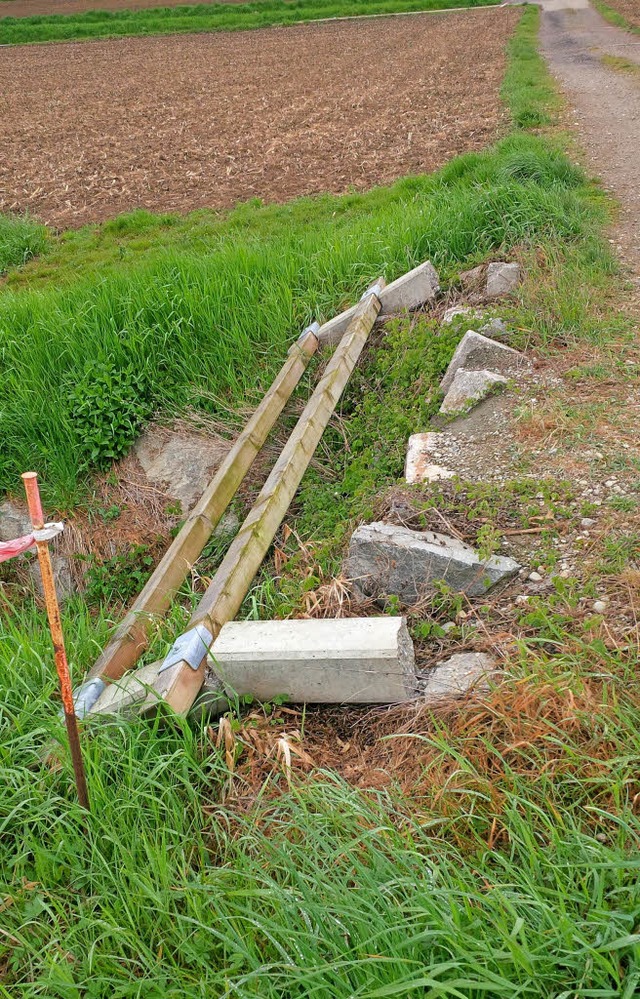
346, 661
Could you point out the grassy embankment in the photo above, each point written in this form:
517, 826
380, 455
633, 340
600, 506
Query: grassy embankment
618, 18
509, 865
203, 17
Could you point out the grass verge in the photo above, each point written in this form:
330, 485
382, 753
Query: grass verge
615, 17
20, 239
204, 17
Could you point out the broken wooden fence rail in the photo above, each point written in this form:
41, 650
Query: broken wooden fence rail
131, 637
179, 678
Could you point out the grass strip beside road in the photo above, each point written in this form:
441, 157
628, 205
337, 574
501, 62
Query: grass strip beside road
205, 17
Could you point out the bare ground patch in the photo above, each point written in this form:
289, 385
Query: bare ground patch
90, 130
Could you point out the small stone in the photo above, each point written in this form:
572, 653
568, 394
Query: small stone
495, 329
449, 626
535, 577
459, 310
469, 388
522, 599
565, 573
599, 607
587, 522
502, 279
602, 837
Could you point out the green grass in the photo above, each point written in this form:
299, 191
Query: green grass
203, 17
163, 892
208, 323
615, 17
20, 239
528, 87
620, 64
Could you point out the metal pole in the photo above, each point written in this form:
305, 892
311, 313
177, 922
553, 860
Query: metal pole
30, 480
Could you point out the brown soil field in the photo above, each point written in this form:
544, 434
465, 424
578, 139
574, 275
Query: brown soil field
630, 9
89, 130
38, 8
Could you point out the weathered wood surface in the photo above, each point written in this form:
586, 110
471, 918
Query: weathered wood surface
179, 685
222, 600
130, 638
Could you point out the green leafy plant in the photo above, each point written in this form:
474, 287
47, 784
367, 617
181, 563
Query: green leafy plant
108, 407
119, 578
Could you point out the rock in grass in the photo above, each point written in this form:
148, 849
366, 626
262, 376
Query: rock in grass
475, 352
502, 279
456, 676
460, 310
386, 560
469, 388
418, 466
14, 521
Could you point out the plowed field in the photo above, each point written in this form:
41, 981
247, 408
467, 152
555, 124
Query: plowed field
89, 130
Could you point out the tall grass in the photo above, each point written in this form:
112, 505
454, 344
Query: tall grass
204, 17
210, 324
516, 876
20, 239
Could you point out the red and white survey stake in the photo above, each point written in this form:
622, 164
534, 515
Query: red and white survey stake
41, 536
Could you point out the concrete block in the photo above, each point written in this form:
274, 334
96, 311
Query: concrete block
410, 291
456, 676
475, 352
386, 560
418, 466
346, 661
470, 387
502, 279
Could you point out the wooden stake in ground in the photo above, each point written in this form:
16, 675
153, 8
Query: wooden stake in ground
179, 678
130, 639
53, 613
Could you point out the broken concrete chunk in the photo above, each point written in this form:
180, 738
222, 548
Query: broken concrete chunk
418, 467
419, 286
460, 310
470, 387
386, 560
366, 660
456, 676
502, 279
475, 352
495, 329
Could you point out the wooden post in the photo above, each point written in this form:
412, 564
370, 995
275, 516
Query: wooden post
178, 681
30, 480
131, 637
